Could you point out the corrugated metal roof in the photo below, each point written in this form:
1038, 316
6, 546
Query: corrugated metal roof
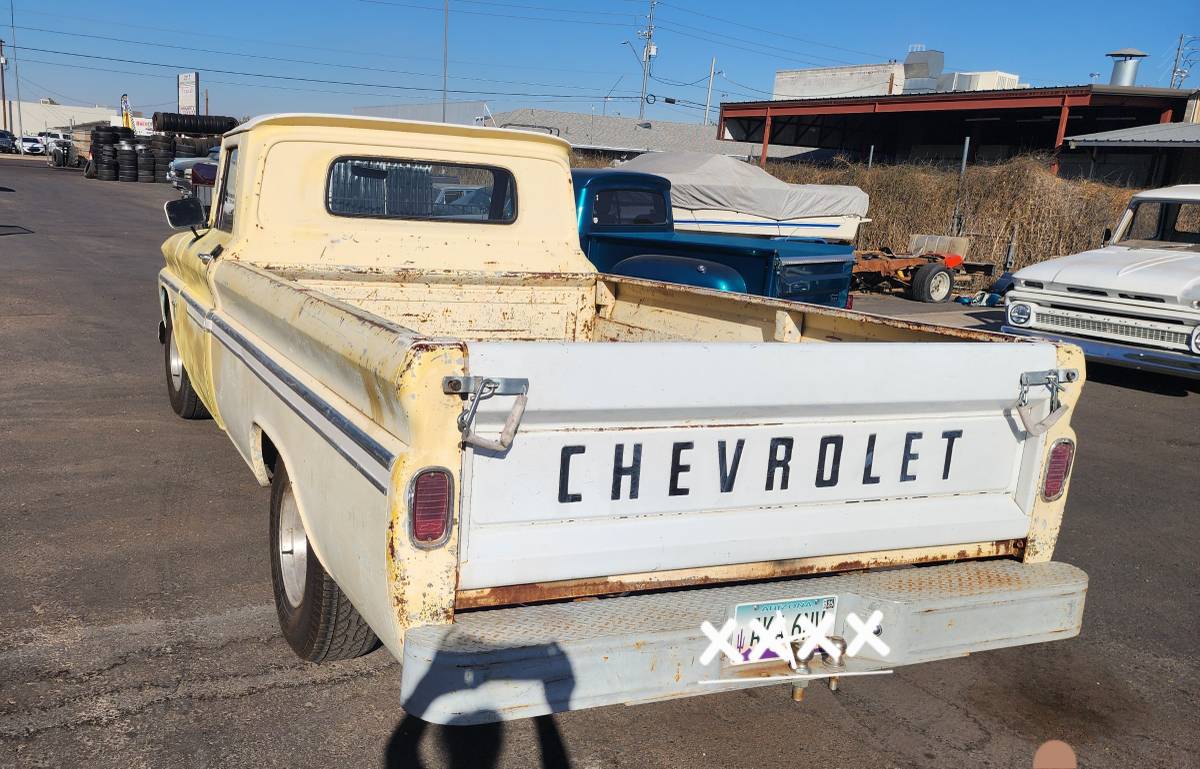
1156, 135
612, 133
996, 93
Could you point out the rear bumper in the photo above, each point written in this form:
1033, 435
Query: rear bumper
504, 664
1130, 356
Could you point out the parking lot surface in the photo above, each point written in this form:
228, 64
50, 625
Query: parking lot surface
137, 630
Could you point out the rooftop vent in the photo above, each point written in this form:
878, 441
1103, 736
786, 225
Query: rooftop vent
1125, 66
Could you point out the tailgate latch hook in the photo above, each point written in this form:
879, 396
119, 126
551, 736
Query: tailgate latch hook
1053, 380
477, 389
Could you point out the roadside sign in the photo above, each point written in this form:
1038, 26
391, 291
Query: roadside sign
189, 93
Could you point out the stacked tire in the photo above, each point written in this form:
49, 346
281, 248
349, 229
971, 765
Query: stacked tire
193, 124
145, 166
162, 148
104, 154
127, 162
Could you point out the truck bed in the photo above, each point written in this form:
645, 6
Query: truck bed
590, 307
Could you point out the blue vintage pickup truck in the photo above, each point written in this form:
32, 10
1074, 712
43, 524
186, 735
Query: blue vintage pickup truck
626, 228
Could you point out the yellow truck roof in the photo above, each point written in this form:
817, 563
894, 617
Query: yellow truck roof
317, 119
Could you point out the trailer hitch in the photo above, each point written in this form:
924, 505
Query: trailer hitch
478, 388
1053, 380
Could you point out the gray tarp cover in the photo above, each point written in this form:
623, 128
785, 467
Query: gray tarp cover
702, 181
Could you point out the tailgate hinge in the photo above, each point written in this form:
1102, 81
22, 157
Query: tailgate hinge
1053, 380
479, 388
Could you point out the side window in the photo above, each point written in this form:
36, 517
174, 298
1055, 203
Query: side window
1186, 228
227, 203
1145, 222
629, 208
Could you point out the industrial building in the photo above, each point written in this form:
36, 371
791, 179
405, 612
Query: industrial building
934, 126
47, 114
619, 136
922, 71
1143, 156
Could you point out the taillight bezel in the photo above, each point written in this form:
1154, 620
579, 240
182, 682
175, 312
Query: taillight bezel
410, 498
1066, 476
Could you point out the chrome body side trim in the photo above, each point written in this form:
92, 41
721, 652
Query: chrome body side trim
370, 458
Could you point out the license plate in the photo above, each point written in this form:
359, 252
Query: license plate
744, 638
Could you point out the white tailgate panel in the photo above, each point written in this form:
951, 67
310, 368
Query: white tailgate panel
748, 452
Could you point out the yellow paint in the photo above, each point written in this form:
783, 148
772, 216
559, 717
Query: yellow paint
373, 313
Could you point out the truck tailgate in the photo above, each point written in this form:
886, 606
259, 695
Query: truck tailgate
650, 456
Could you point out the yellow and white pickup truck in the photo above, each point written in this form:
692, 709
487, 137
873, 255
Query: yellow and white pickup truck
544, 488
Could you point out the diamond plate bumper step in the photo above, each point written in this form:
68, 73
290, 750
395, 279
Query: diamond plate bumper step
502, 664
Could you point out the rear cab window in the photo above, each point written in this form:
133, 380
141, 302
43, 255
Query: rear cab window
628, 208
403, 188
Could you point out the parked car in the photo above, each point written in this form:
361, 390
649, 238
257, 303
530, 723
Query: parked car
178, 171
47, 137
32, 145
627, 227
1133, 302
8, 142
466, 428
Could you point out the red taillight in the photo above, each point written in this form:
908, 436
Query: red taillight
429, 506
1058, 468
849, 301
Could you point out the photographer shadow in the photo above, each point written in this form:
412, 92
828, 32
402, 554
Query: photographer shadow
475, 739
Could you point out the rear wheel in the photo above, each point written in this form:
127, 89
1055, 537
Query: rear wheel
316, 617
184, 400
932, 283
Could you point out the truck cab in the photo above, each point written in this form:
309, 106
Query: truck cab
626, 227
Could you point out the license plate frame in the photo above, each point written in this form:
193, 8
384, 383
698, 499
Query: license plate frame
815, 607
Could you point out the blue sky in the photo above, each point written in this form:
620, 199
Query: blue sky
561, 55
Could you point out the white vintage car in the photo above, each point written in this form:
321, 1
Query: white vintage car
1133, 302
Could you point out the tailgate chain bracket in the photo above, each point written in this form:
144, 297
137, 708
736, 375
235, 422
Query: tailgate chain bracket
479, 388
1053, 380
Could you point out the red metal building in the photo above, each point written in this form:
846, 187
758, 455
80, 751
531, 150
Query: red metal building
932, 126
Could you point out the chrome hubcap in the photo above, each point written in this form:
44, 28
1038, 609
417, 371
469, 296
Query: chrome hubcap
293, 549
939, 287
175, 366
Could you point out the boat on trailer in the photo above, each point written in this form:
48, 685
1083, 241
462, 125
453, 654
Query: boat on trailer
716, 193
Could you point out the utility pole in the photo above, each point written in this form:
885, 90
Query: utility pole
12, 20
1179, 71
3, 96
712, 70
445, 53
205, 101
648, 52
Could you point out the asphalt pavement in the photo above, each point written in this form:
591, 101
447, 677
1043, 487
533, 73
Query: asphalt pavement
137, 630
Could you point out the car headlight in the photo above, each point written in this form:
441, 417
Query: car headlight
1020, 313
1194, 340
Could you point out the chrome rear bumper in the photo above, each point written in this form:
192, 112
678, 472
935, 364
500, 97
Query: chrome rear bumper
503, 664
1175, 363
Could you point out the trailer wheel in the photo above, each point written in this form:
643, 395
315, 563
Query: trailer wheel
317, 619
932, 283
184, 400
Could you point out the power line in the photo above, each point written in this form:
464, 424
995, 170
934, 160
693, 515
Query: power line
724, 42
759, 43
549, 8
305, 46
498, 15
774, 32
395, 97
296, 78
